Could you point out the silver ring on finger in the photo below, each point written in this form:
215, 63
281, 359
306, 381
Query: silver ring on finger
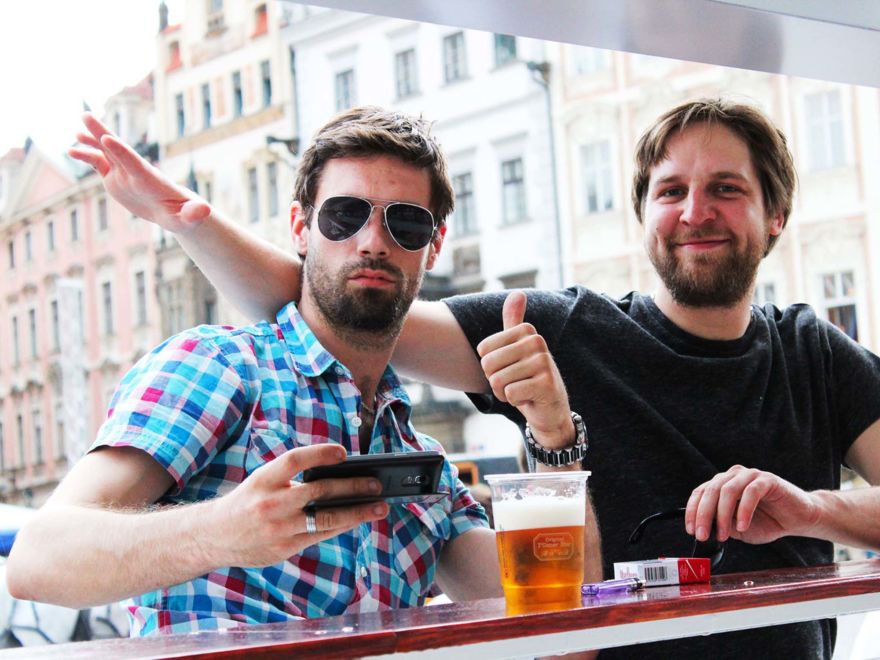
311, 523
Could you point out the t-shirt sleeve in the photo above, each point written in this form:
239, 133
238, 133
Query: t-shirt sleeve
180, 404
855, 373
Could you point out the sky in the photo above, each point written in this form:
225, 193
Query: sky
54, 54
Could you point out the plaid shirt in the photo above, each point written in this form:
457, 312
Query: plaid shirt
212, 405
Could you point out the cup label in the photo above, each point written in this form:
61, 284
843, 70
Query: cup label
553, 546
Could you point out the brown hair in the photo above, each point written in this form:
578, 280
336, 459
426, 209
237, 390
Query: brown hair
374, 131
767, 145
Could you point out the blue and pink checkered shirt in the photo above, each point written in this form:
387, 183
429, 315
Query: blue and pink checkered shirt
212, 405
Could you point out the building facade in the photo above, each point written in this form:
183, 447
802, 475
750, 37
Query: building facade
77, 306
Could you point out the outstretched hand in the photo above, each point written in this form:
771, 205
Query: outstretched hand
133, 182
750, 505
522, 372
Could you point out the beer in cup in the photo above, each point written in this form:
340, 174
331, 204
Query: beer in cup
539, 530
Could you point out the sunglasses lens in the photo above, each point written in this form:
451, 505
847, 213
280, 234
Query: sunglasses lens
342, 217
410, 225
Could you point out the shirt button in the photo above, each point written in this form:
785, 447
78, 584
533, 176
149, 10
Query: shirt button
356, 421
339, 370
363, 571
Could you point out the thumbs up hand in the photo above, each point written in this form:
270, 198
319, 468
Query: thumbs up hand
521, 371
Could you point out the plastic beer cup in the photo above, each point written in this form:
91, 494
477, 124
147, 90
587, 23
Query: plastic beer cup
539, 531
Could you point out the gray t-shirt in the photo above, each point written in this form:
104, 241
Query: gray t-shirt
665, 411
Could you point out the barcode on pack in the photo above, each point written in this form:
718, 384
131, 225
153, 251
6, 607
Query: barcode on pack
655, 573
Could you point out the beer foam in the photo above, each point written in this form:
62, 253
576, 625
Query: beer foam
537, 512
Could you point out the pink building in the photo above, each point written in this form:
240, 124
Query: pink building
77, 304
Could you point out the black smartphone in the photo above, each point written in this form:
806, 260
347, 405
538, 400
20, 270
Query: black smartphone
405, 477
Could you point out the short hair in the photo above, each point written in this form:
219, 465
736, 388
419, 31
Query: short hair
375, 131
767, 146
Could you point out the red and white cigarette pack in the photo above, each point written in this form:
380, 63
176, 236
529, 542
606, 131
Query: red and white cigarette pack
666, 570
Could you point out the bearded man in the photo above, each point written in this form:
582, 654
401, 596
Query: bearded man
191, 499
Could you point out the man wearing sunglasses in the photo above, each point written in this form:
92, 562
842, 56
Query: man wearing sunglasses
191, 499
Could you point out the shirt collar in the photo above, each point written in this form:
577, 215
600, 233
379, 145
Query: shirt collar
310, 356
312, 359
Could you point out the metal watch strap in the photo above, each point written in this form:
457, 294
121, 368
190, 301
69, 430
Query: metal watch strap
560, 457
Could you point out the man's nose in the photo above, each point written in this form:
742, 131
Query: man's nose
698, 208
373, 239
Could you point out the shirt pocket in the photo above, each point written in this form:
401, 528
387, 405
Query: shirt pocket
417, 536
263, 446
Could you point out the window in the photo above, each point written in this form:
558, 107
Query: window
215, 6
50, 235
272, 179
140, 297
11, 249
513, 191
344, 89
261, 20
211, 312
81, 315
824, 117
505, 49
765, 293
839, 294
465, 220
59, 431
37, 426
588, 61
405, 75
253, 195
74, 225
173, 56
454, 61
2, 449
28, 246
209, 191
237, 96
103, 222
56, 325
32, 331
206, 105
107, 304
19, 424
16, 348
266, 76
180, 114
598, 188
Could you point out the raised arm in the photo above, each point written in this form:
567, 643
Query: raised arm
258, 277
103, 515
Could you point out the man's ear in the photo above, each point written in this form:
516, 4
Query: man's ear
299, 231
777, 223
435, 245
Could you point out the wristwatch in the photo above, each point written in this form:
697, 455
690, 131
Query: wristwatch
560, 457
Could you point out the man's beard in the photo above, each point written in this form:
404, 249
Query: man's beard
708, 280
366, 317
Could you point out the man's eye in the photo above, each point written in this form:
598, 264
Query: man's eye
672, 192
727, 188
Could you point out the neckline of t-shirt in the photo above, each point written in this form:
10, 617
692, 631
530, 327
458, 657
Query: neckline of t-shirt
684, 342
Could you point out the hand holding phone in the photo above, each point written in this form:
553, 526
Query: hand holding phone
405, 477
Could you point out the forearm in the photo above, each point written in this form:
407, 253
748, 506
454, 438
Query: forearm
117, 554
433, 348
850, 517
256, 276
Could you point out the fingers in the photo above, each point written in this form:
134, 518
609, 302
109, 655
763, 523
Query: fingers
90, 157
332, 521
95, 126
734, 494
281, 470
514, 311
124, 157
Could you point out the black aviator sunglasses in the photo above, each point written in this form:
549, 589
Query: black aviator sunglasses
341, 217
712, 549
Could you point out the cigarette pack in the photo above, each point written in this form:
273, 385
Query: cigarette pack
666, 570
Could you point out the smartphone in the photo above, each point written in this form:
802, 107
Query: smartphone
405, 477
